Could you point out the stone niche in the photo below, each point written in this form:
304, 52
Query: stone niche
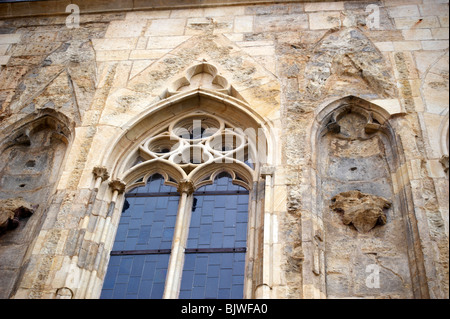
362, 219
30, 160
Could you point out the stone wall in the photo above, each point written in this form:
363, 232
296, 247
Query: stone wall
293, 64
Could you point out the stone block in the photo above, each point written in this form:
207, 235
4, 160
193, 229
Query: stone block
243, 24
259, 50
324, 20
434, 45
118, 55
434, 9
385, 46
404, 11
148, 54
417, 34
223, 25
166, 27
114, 44
3, 48
407, 46
169, 42
275, 9
10, 38
125, 29
393, 106
187, 13
324, 6
4, 59
440, 33
417, 22
281, 23
150, 15
225, 11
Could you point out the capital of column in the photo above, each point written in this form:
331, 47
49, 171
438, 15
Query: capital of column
117, 185
185, 186
267, 170
100, 171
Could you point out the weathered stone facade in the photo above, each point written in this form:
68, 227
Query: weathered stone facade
351, 98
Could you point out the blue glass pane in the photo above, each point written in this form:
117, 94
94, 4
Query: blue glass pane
223, 182
219, 221
145, 223
213, 276
135, 277
155, 184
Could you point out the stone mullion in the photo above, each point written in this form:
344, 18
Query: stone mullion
267, 267
176, 261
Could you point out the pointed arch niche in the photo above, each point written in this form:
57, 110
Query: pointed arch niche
191, 138
364, 237
31, 157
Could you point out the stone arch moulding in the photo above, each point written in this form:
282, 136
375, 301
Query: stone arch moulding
355, 168
122, 161
32, 153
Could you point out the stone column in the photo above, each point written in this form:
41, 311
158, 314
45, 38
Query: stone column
176, 262
103, 228
264, 290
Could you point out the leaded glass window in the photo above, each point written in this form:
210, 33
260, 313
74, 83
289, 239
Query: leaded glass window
215, 253
141, 251
183, 233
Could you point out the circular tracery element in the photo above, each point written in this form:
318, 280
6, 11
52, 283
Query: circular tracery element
196, 128
196, 140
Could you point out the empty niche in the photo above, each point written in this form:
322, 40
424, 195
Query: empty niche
365, 251
30, 162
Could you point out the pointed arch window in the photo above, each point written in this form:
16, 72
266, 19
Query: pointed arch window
184, 225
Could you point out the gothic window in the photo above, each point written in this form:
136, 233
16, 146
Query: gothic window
183, 229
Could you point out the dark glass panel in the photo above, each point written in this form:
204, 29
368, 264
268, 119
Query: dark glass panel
147, 223
213, 276
218, 222
135, 277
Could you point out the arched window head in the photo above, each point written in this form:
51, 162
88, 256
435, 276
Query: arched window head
196, 145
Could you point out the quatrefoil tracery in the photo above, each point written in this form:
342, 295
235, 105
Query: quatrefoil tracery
196, 140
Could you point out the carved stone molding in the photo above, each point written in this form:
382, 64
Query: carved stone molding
117, 185
12, 210
267, 170
186, 186
100, 172
364, 211
334, 126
